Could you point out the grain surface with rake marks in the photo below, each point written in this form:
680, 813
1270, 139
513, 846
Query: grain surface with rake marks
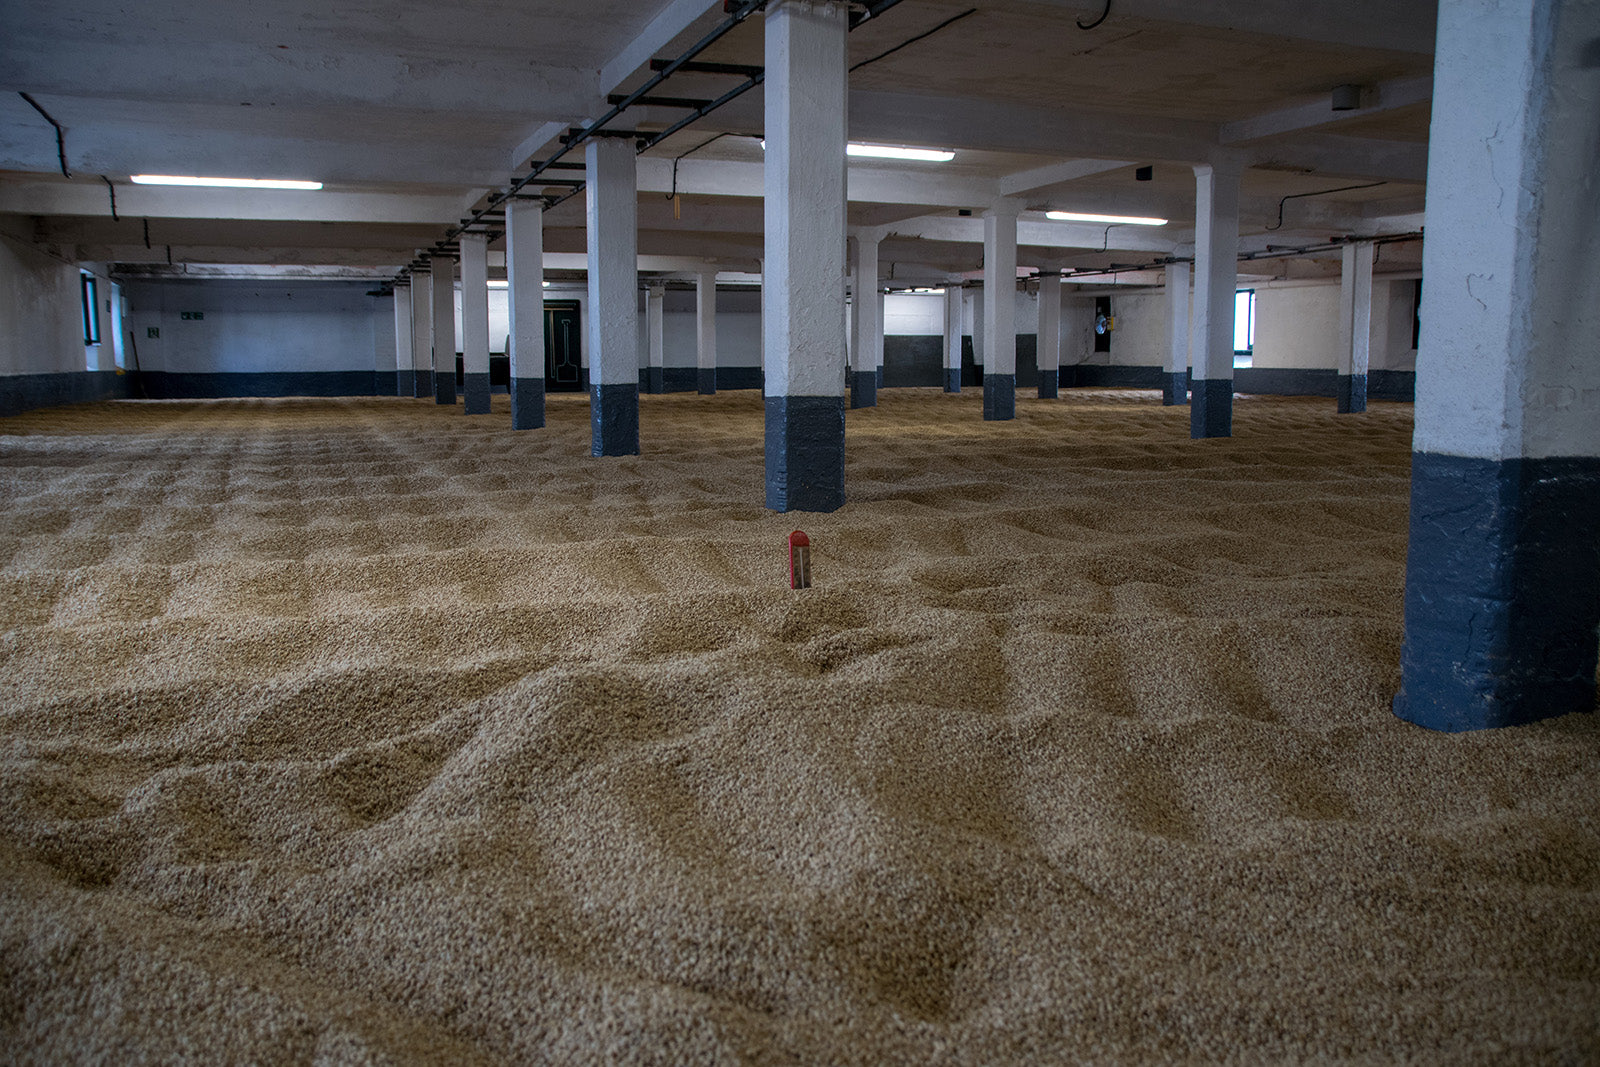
361, 731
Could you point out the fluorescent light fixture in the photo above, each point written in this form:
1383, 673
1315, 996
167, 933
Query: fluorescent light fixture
224, 183
889, 151
497, 283
546, 284
1116, 220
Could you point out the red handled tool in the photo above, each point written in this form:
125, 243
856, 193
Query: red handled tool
799, 560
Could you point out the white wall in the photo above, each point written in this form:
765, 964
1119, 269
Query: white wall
1026, 317
1138, 339
1297, 327
913, 314
41, 317
738, 324
1394, 309
257, 327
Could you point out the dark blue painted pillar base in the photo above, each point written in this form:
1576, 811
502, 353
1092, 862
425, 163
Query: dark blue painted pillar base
1175, 389
952, 379
424, 384
655, 380
878, 378
805, 453
1502, 591
405, 382
527, 403
476, 393
1211, 408
999, 397
1049, 383
444, 388
1352, 394
707, 379
614, 419
863, 389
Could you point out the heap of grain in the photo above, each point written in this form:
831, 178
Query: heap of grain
362, 730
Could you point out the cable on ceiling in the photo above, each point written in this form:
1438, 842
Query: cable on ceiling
884, 55
1325, 192
112, 189
61, 142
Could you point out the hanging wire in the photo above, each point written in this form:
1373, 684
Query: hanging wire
714, 137
113, 190
1089, 26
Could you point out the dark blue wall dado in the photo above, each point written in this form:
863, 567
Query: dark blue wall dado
24, 392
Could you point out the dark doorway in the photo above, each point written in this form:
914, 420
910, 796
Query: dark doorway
563, 348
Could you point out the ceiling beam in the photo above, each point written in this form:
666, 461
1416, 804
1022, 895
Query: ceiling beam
1319, 114
674, 19
89, 197
963, 122
1333, 155
1023, 182
1041, 233
1391, 25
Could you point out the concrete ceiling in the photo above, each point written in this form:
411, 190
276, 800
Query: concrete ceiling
411, 111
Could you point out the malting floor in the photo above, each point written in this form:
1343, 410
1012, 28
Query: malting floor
363, 731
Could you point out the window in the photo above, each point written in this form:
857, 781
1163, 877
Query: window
1244, 327
91, 309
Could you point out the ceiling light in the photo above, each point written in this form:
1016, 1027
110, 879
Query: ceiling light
889, 151
498, 283
886, 151
225, 183
1115, 220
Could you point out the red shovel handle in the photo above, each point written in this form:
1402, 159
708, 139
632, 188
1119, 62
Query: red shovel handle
799, 560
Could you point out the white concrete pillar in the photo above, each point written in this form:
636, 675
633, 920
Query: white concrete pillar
877, 339
1175, 383
1216, 280
1048, 350
1347, 308
525, 289
475, 322
1000, 310
655, 332
705, 334
865, 319
975, 324
613, 310
422, 332
405, 371
803, 320
1355, 352
954, 323
443, 269
1503, 570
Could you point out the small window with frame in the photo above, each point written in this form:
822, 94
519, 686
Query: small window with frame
91, 308
1244, 327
